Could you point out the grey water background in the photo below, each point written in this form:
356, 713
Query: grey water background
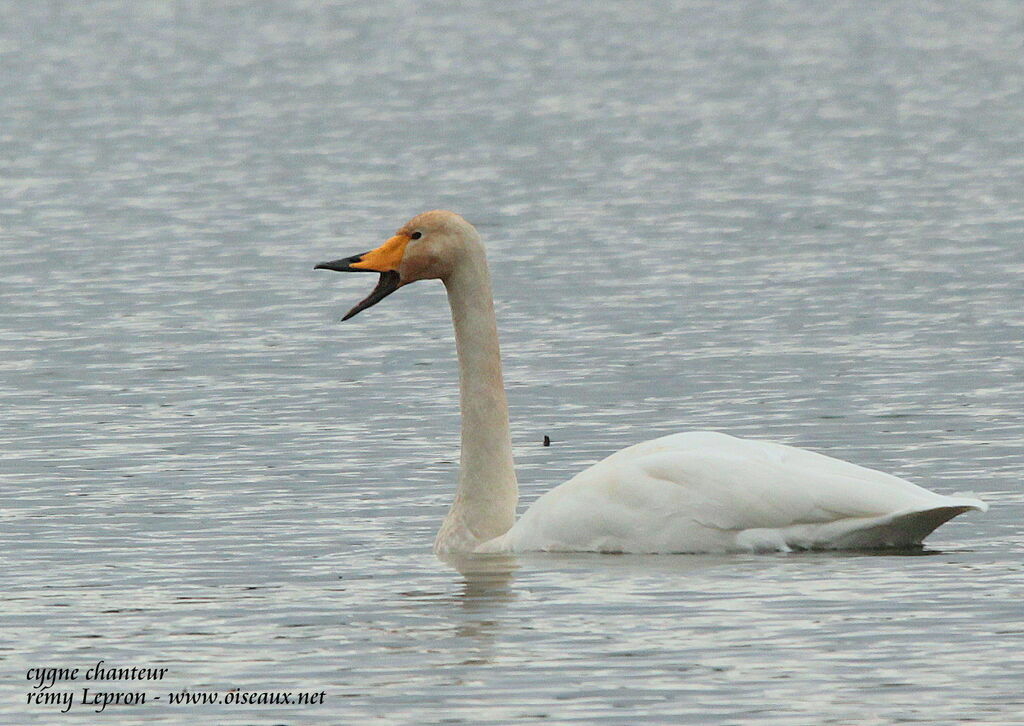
794, 221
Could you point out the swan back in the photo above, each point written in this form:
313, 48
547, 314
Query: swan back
710, 492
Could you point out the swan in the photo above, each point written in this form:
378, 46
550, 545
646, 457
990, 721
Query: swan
694, 492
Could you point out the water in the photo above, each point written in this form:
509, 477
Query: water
780, 220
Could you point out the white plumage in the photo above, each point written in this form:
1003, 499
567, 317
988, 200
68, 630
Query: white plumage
691, 492
710, 492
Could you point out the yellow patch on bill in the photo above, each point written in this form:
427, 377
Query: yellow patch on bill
386, 257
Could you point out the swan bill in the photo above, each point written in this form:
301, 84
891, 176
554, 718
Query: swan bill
382, 259
345, 264
385, 260
388, 282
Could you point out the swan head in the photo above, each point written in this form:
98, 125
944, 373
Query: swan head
427, 247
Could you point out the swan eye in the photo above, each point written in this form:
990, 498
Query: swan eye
415, 235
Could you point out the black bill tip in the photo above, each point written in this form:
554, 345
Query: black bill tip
342, 265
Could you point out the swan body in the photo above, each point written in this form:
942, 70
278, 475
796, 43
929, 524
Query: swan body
690, 492
710, 492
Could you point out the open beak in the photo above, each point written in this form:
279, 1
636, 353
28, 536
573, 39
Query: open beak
384, 259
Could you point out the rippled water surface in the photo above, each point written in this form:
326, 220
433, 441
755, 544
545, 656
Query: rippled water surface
793, 221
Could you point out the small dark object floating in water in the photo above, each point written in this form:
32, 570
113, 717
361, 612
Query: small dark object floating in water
547, 441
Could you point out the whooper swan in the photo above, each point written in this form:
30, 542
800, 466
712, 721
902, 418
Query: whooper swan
689, 492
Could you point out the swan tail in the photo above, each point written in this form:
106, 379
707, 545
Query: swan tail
900, 529
903, 529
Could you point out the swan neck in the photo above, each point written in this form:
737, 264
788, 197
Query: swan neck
485, 501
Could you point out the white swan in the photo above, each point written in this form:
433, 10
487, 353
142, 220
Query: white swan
690, 492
